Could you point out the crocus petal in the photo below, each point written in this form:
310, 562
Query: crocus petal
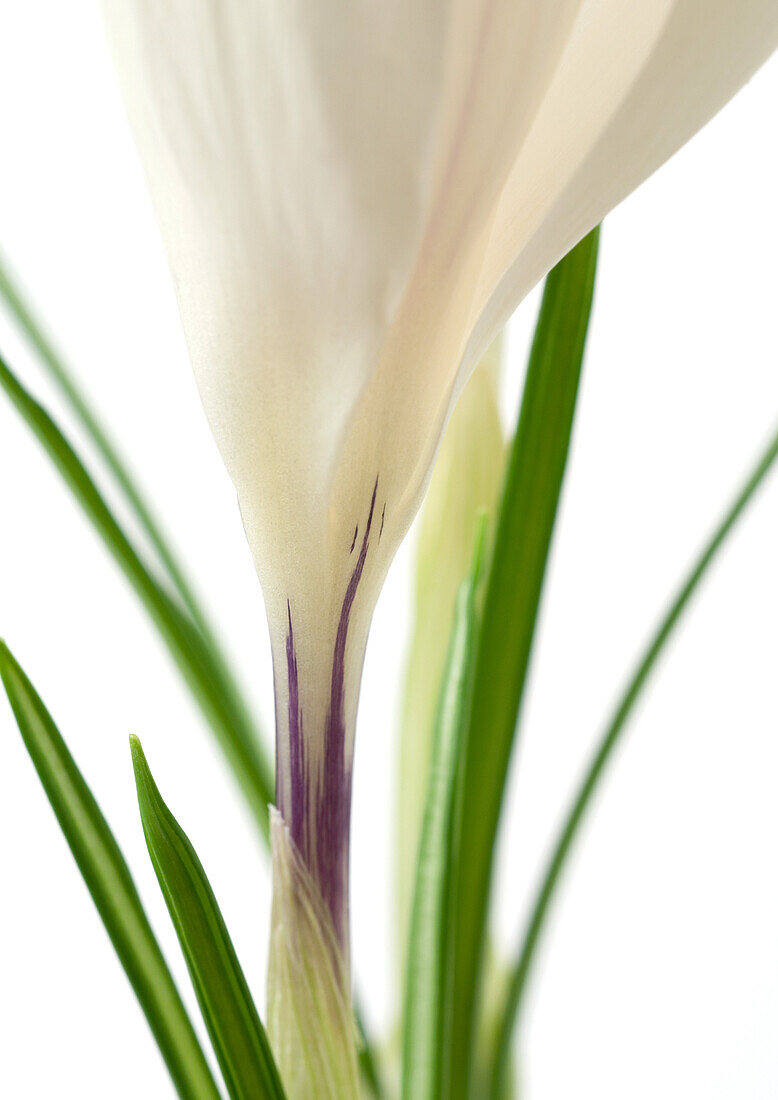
637, 81
285, 147
501, 58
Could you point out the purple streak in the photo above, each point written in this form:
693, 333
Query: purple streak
323, 811
294, 814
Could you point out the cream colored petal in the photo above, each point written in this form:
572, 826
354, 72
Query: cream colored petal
637, 81
287, 148
633, 83
501, 57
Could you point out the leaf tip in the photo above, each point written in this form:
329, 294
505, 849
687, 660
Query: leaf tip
139, 763
145, 786
10, 669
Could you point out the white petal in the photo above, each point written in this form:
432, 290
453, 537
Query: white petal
637, 81
286, 147
634, 82
501, 58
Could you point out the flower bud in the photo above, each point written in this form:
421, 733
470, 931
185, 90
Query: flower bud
465, 482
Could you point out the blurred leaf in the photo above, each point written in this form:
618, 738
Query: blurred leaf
233, 1024
124, 479
427, 1017
465, 482
106, 448
109, 882
366, 1058
183, 639
602, 757
523, 535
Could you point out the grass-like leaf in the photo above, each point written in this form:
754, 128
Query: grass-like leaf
367, 1061
524, 527
602, 756
109, 882
237, 1034
57, 369
182, 637
95, 430
427, 1016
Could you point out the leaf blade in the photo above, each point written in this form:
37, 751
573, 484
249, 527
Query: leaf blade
367, 1061
427, 989
181, 636
603, 754
86, 415
525, 525
108, 880
238, 1038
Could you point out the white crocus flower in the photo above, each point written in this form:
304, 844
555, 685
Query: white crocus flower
354, 196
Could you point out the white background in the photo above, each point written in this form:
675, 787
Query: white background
660, 971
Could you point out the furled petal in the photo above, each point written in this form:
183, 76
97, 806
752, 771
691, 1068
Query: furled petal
636, 82
285, 147
501, 58
325, 177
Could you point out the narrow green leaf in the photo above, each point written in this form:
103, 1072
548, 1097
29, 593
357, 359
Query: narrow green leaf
368, 1065
109, 882
55, 365
117, 466
233, 1024
524, 527
427, 1016
602, 756
182, 637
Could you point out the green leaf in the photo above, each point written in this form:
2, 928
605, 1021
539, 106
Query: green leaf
427, 1015
55, 366
109, 882
182, 637
236, 1032
522, 539
116, 465
366, 1058
603, 755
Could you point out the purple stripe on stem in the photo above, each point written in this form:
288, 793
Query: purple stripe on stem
318, 815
